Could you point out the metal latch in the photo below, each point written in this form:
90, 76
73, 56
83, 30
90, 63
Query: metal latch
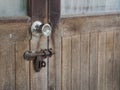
38, 58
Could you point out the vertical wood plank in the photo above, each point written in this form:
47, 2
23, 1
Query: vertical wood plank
54, 13
51, 66
76, 62
116, 65
58, 66
14, 71
38, 79
93, 61
85, 61
66, 63
22, 66
38, 12
38, 9
7, 65
109, 61
101, 61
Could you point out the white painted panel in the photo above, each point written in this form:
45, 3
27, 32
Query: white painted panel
13, 8
112, 5
90, 7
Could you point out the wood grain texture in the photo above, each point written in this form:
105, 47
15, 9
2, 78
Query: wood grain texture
93, 61
116, 63
102, 61
7, 65
13, 77
54, 11
66, 64
76, 80
84, 62
52, 65
77, 25
99, 45
38, 9
99, 52
58, 63
22, 66
109, 60
38, 79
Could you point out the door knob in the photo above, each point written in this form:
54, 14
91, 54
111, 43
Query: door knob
39, 27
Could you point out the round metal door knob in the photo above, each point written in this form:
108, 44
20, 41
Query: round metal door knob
39, 27
46, 29
35, 26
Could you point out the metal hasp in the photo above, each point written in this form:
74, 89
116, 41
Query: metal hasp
38, 58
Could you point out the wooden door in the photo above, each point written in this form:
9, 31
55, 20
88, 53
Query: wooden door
87, 52
16, 73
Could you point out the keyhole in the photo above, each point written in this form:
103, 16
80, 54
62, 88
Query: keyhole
43, 64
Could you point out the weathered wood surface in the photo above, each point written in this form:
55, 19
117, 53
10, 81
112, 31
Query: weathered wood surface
51, 66
84, 62
54, 11
55, 80
93, 61
88, 51
116, 62
14, 70
38, 80
109, 60
87, 56
76, 62
38, 9
101, 61
66, 64
78, 25
22, 66
7, 65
